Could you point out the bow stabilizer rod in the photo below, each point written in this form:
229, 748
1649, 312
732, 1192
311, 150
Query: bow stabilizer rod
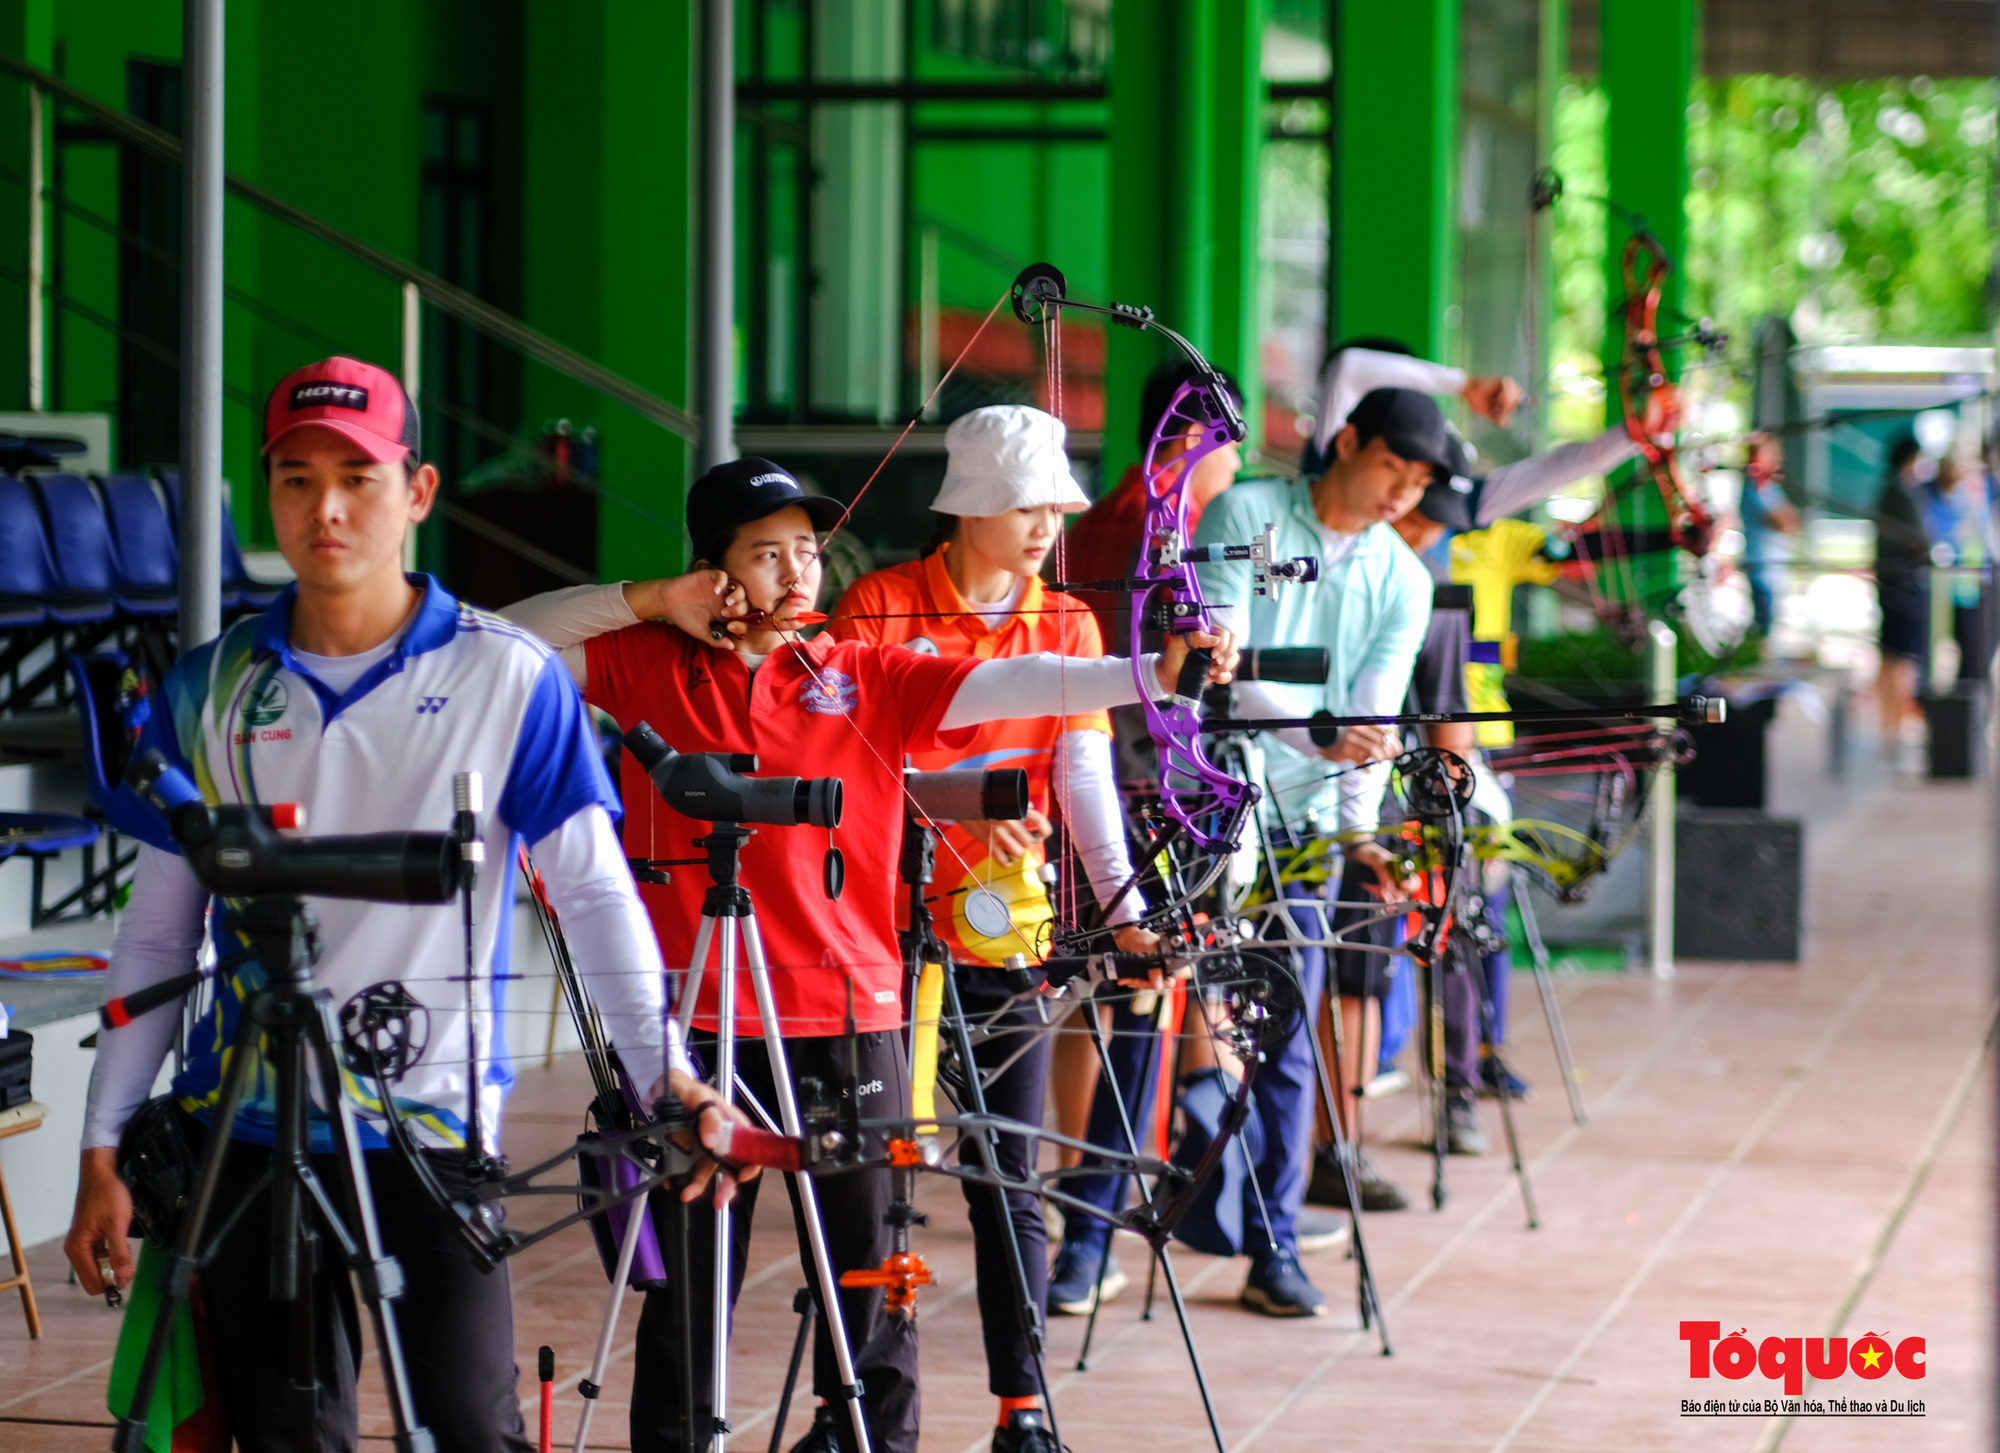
1324, 726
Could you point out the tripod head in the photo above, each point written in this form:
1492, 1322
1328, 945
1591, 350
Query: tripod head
236, 851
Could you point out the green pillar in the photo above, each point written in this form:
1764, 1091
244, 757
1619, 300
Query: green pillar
1647, 71
1395, 233
1239, 156
1162, 197
608, 264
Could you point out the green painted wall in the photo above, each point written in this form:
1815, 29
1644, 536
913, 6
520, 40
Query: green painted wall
1395, 247
1647, 70
609, 180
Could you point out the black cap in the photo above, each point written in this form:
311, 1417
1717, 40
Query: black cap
1412, 426
748, 489
1449, 502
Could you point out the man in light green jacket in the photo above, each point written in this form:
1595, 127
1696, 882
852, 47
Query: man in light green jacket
1369, 608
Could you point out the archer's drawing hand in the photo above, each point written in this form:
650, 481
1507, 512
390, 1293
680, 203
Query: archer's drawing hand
1007, 841
1365, 744
1492, 398
1221, 646
98, 1226
694, 602
709, 1109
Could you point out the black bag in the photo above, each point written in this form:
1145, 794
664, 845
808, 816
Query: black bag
157, 1163
17, 1064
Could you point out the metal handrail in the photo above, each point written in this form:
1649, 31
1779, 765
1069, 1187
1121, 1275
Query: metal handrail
443, 296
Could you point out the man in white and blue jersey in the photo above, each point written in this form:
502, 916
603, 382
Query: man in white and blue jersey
359, 694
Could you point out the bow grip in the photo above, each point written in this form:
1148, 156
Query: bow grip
1703, 710
1194, 674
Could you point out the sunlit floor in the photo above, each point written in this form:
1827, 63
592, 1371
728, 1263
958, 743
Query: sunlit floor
1791, 1150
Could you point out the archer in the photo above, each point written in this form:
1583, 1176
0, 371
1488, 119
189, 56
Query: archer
326, 700
652, 651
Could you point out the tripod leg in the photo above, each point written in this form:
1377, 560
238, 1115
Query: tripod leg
379, 1274
802, 1303
725, 1081
590, 1386
1161, 1254
1107, 1085
1545, 982
683, 1294
187, 1255
1434, 1062
1347, 1155
691, 982
1187, 1336
1026, 1312
788, 1114
1506, 1103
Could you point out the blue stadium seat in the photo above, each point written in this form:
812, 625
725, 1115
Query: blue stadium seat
27, 574
148, 559
80, 541
237, 585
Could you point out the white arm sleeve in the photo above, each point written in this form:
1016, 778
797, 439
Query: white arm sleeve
1258, 698
1087, 792
591, 890
1375, 693
1353, 373
1044, 685
567, 618
1513, 487
158, 937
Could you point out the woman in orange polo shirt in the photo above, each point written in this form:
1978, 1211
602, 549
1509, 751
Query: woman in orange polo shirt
976, 593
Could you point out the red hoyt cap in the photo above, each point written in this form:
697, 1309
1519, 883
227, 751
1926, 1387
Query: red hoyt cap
358, 400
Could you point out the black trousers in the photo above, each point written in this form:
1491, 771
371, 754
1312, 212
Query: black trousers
1017, 1094
457, 1322
853, 1207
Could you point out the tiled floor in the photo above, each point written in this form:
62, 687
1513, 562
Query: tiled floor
1766, 1145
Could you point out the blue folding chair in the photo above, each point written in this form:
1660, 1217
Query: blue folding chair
80, 541
27, 574
148, 558
237, 584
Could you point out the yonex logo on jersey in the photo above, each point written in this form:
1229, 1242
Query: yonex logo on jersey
431, 705
266, 702
828, 693
698, 676
322, 395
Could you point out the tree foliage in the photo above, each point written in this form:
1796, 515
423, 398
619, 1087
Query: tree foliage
1862, 211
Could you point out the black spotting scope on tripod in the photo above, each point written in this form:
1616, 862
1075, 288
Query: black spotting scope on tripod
235, 850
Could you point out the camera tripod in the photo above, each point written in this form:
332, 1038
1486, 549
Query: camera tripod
727, 920
297, 1022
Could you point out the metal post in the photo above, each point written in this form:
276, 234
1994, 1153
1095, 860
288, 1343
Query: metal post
38, 390
1660, 899
927, 318
201, 326
717, 369
413, 366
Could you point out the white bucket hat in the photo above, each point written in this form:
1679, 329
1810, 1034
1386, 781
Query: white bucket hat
1006, 457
